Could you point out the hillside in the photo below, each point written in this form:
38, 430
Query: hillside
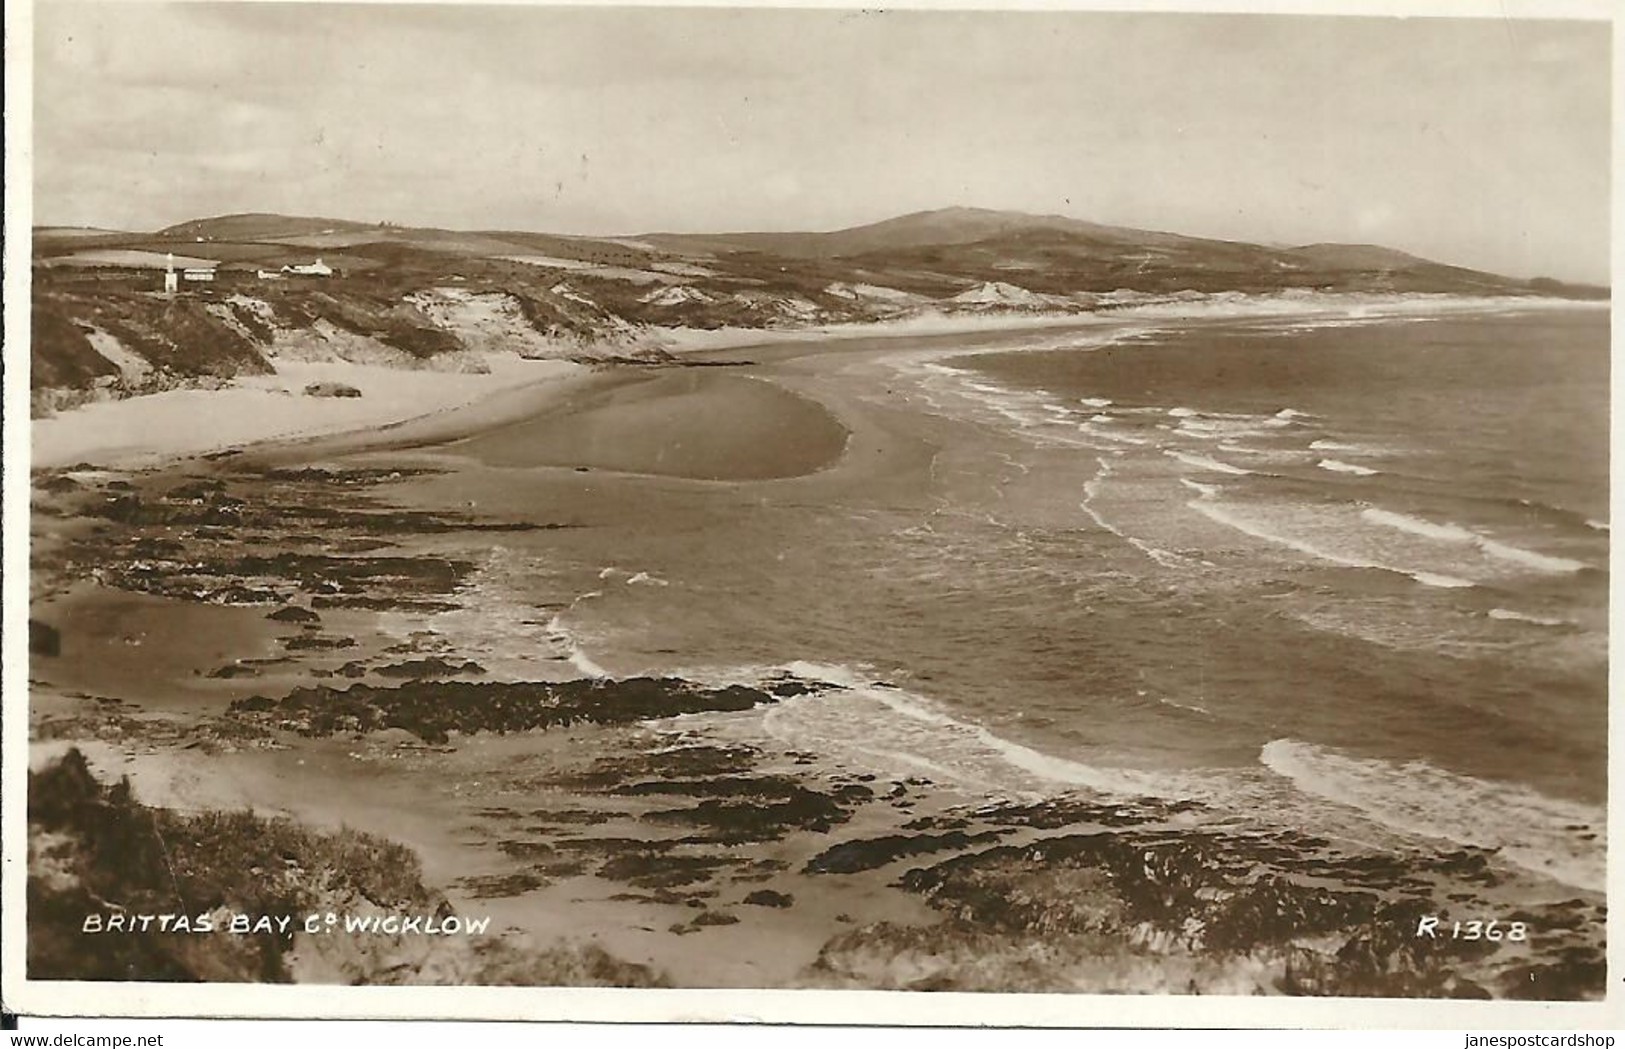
419, 297
944, 227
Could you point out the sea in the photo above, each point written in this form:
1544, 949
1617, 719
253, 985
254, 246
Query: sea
1343, 575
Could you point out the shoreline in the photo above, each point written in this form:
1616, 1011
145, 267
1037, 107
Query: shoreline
658, 823
685, 341
251, 413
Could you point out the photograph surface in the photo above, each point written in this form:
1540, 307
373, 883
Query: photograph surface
1054, 502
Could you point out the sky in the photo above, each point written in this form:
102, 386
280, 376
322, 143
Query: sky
1479, 142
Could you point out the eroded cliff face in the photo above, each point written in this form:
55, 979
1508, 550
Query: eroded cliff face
91, 343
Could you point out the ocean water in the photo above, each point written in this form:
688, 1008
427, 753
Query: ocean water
1346, 577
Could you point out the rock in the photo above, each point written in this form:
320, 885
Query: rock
331, 389
769, 898
294, 614
850, 857
716, 918
432, 667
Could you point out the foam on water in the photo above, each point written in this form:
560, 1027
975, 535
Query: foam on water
1091, 489
1337, 466
886, 729
1190, 707
1529, 829
1522, 617
881, 726
1095, 402
1218, 429
1202, 462
561, 635
1451, 533
1286, 417
1118, 438
1416, 526
1219, 514
1206, 490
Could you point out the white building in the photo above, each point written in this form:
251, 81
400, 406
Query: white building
314, 269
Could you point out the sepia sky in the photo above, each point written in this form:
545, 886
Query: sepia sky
1478, 142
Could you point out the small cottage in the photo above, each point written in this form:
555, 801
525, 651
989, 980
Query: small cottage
314, 269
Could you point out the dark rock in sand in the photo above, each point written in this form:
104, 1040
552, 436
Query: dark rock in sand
716, 918
769, 898
662, 870
752, 808
431, 710
850, 857
316, 644
1057, 813
43, 639
294, 614
501, 886
432, 667
331, 389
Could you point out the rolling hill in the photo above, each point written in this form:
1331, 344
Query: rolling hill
428, 297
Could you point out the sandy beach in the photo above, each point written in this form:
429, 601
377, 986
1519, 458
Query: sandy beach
146, 430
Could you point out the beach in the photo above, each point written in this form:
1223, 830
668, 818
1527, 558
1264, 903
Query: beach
754, 670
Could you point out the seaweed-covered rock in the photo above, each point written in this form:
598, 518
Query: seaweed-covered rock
294, 614
432, 709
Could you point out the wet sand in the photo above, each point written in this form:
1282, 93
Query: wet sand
701, 424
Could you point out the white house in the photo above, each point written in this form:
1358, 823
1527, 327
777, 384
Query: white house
314, 269
201, 271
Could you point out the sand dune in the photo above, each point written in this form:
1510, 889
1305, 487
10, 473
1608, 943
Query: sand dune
690, 423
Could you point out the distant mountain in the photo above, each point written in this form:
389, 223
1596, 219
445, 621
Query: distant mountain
943, 227
1054, 254
1358, 257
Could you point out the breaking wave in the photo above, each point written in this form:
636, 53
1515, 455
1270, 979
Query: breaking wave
1450, 533
886, 726
1532, 830
1337, 466
1220, 515
1202, 462
1522, 617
